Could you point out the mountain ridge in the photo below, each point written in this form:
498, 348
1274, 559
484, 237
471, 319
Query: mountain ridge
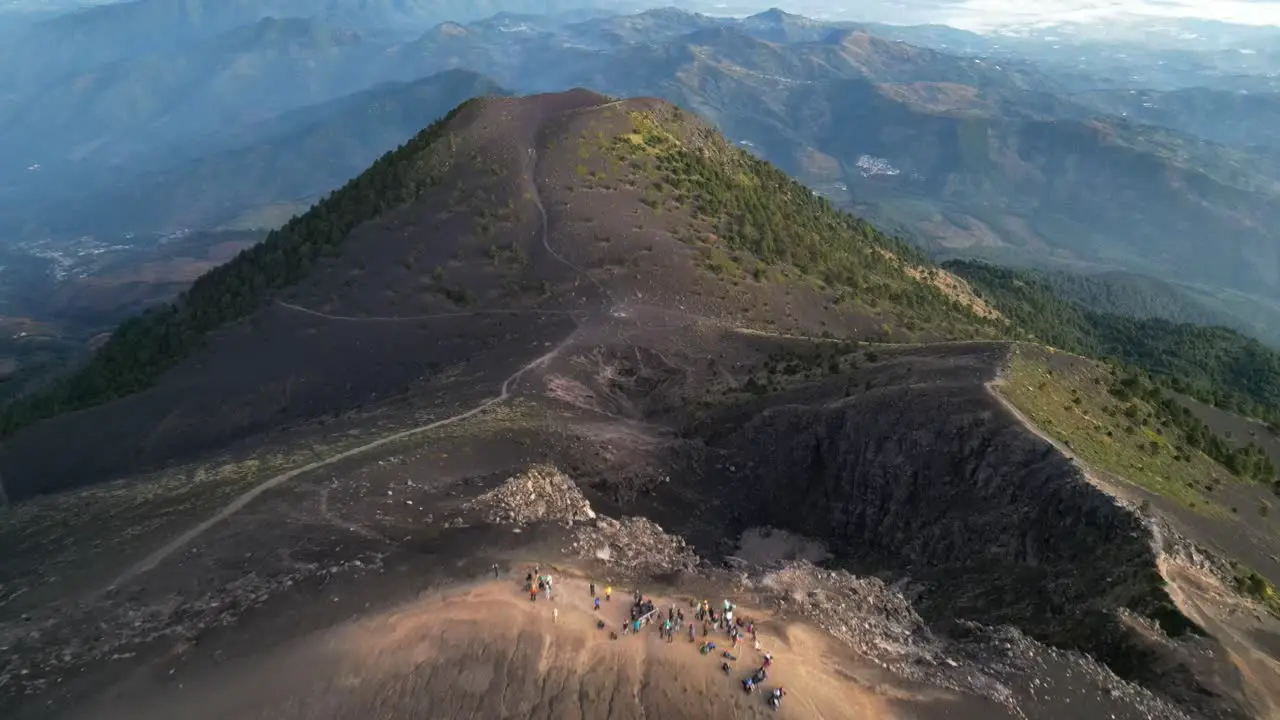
957, 191
782, 125
682, 165
616, 285
725, 69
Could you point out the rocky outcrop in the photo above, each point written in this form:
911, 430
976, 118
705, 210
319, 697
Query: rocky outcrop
545, 494
540, 494
931, 478
636, 545
924, 474
862, 612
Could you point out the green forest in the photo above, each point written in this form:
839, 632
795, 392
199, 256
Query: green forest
1215, 365
144, 347
1133, 296
1140, 296
1248, 462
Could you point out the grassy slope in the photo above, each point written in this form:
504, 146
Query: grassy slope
1068, 398
1074, 401
751, 219
1213, 364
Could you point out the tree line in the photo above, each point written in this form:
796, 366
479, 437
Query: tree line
1214, 365
144, 347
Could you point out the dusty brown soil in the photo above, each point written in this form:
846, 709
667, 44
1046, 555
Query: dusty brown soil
361, 516
487, 651
1246, 634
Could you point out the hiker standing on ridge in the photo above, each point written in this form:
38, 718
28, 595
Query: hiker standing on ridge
593, 588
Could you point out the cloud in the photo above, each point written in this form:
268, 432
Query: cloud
980, 15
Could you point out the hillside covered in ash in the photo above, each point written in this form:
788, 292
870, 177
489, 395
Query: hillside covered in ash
593, 336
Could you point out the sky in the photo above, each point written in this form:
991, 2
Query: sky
975, 15
979, 15
989, 15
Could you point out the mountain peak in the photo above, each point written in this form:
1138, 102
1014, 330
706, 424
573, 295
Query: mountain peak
774, 15
520, 191
778, 25
449, 29
668, 12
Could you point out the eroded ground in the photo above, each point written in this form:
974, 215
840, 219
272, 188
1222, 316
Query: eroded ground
486, 651
1062, 397
367, 600
308, 597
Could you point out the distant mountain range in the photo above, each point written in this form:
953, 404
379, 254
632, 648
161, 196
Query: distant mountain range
1239, 118
1005, 160
290, 160
84, 40
1152, 53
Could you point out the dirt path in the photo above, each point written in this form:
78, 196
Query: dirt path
1116, 487
1199, 595
250, 495
239, 503
531, 169
413, 318
620, 311
1228, 619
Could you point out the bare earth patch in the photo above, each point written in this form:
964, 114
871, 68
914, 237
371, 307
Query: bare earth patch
487, 651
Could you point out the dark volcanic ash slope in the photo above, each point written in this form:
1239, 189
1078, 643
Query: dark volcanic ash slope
610, 287
526, 218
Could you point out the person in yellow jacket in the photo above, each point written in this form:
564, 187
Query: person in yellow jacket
608, 591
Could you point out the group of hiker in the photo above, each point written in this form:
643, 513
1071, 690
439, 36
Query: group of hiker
535, 582
644, 611
737, 629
